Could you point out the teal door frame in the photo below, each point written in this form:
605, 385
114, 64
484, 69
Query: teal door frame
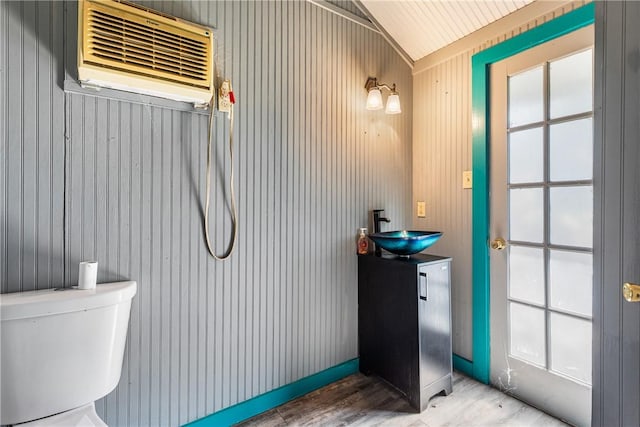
480, 62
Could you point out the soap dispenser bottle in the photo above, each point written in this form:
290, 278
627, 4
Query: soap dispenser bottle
362, 242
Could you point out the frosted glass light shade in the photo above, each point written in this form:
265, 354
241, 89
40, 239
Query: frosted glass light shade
393, 104
374, 100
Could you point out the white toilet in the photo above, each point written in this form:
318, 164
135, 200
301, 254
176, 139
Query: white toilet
60, 351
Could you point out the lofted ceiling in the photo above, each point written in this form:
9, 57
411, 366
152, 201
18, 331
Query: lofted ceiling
420, 27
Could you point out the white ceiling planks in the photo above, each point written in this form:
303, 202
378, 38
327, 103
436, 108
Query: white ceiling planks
421, 27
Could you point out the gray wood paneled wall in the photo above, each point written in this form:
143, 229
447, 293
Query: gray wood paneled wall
32, 149
616, 323
442, 151
122, 182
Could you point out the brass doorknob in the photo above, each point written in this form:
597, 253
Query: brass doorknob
499, 244
631, 292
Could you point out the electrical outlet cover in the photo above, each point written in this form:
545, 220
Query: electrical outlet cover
422, 209
224, 99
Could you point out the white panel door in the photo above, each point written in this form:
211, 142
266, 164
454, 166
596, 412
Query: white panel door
541, 226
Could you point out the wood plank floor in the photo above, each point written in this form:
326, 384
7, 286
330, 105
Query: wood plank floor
358, 400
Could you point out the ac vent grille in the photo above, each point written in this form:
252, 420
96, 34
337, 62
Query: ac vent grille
142, 46
147, 10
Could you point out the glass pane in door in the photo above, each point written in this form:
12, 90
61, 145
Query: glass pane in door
527, 338
526, 215
571, 150
571, 281
526, 97
570, 84
526, 274
571, 216
526, 156
570, 346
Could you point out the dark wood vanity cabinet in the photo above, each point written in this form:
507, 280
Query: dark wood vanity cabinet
404, 323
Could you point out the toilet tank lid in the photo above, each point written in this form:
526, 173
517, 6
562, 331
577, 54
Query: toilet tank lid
46, 302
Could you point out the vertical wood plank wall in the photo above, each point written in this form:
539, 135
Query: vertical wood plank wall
31, 173
441, 152
123, 183
616, 326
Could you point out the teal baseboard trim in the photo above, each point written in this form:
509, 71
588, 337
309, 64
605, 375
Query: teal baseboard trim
480, 63
264, 402
463, 365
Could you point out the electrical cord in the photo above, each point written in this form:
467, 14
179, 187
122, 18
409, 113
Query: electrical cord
234, 214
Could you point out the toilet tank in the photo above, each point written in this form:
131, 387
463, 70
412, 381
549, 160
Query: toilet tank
60, 349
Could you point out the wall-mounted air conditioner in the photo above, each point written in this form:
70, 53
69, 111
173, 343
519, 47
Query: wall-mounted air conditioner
128, 47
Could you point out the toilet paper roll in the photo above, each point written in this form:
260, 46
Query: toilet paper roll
87, 275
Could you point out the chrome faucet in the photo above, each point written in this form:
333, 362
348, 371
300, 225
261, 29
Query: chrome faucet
377, 219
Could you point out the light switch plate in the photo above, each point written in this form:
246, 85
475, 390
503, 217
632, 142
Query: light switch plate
467, 180
422, 209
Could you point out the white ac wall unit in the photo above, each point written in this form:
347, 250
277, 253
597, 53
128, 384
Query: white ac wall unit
128, 47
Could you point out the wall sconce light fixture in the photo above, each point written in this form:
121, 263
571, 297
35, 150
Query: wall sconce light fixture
374, 98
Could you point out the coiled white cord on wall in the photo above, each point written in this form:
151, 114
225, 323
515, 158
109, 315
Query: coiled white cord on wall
234, 215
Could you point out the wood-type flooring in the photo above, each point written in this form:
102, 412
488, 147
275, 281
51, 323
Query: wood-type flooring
358, 400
